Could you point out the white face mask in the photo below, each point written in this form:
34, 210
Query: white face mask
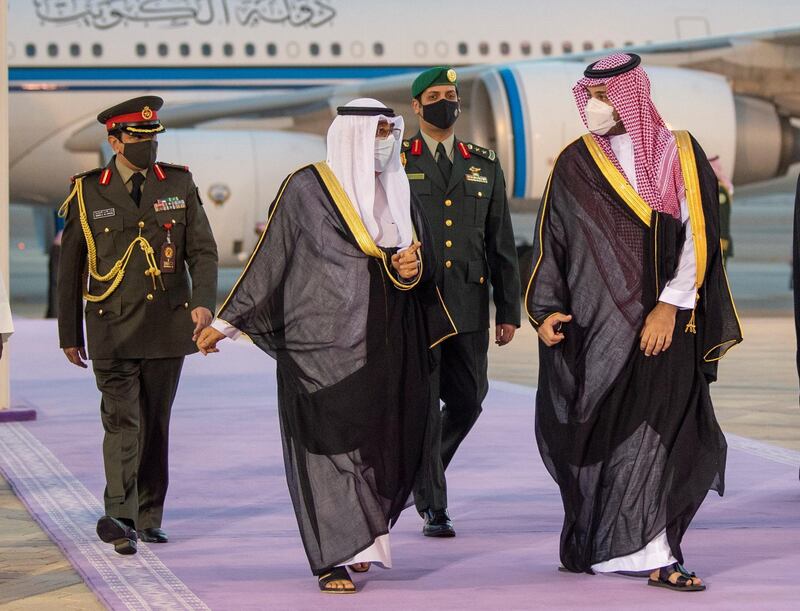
599, 117
383, 153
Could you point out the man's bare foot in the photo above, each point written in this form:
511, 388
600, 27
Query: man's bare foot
337, 582
360, 567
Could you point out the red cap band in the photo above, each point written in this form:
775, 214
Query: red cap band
145, 115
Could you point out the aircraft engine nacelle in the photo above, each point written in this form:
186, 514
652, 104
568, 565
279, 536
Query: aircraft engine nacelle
527, 114
238, 174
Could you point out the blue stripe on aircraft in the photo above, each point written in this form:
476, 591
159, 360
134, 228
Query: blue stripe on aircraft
204, 73
517, 131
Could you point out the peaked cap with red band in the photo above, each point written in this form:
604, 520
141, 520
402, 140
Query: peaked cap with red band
138, 116
659, 180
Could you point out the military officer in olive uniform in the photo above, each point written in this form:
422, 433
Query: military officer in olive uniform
137, 229
462, 191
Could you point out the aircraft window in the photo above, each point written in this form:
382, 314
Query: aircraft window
272, 50
525, 48
163, 49
547, 48
227, 49
52, 49
505, 48
313, 48
250, 49
74, 50
483, 48
588, 45
97, 49
293, 49
608, 45
566, 47
336, 48
377, 48
184, 49
30, 50
463, 48
205, 49
141, 50
628, 43
357, 49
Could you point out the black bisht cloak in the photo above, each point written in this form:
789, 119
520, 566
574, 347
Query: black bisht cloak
632, 441
351, 341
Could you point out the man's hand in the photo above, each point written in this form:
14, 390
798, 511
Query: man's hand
201, 317
658, 327
207, 340
76, 356
406, 263
548, 330
503, 333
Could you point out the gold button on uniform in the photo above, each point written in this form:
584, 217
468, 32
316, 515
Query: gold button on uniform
448, 264
149, 296
449, 243
449, 223
186, 305
100, 311
480, 193
482, 280
106, 230
448, 202
141, 224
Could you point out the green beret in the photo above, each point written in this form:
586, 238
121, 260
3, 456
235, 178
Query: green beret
440, 75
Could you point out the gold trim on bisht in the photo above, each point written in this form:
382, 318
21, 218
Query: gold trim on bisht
353, 220
618, 182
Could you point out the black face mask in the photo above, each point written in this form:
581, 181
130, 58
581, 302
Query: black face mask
442, 114
141, 154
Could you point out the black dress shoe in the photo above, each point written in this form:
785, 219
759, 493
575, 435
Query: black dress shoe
153, 535
438, 524
120, 535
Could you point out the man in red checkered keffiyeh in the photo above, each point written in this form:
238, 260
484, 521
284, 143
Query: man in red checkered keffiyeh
629, 299
658, 173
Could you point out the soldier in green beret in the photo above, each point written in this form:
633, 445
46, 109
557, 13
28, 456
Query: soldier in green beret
463, 195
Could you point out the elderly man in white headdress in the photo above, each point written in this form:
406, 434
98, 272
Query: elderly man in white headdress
339, 292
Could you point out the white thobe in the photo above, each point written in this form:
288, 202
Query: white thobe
680, 292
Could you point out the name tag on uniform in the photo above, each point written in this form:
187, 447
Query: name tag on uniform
104, 214
416, 176
171, 203
476, 178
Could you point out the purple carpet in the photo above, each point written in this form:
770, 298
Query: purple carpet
234, 542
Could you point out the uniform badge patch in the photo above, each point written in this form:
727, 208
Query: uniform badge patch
416, 176
475, 175
171, 203
104, 213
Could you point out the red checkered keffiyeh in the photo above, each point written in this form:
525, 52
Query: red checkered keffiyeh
658, 172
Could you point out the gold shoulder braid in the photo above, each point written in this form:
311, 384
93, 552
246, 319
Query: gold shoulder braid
117, 272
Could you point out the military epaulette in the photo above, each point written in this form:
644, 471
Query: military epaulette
480, 151
174, 166
86, 173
